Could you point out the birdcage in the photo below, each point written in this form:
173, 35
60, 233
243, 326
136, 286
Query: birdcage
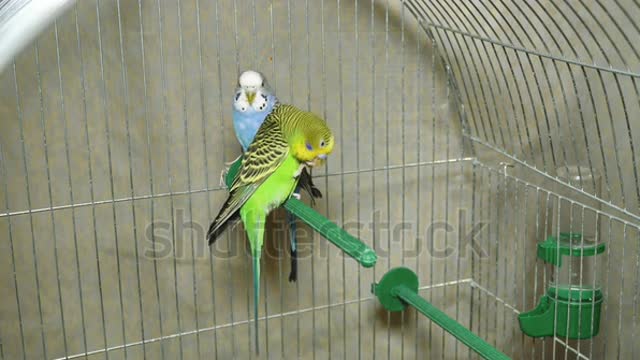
491, 147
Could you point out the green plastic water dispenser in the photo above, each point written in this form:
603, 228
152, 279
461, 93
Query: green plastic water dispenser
573, 301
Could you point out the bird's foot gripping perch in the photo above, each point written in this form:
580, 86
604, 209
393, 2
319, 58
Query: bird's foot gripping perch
309, 164
299, 171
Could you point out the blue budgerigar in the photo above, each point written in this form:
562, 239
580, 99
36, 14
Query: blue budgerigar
253, 101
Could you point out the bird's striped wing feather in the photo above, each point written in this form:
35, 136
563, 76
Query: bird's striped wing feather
266, 153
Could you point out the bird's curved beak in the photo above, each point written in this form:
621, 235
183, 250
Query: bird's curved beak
251, 95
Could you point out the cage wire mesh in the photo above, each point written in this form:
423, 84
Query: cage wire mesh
455, 123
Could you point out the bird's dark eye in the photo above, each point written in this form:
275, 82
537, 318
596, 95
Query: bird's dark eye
262, 84
322, 143
309, 147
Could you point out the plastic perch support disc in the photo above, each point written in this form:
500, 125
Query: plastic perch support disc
385, 289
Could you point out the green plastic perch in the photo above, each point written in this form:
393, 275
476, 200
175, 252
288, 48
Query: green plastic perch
332, 232
399, 288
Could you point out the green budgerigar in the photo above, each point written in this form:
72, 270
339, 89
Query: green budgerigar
288, 141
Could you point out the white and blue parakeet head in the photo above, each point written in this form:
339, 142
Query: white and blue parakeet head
252, 102
253, 95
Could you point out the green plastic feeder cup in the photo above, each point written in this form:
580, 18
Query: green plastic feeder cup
574, 318
571, 307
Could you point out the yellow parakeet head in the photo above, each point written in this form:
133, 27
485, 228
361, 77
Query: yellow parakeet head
314, 144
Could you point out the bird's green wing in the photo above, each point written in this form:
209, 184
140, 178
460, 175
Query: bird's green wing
266, 153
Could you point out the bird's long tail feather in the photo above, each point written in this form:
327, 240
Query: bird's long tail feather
254, 224
293, 275
256, 294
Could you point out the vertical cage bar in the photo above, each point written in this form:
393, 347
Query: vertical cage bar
105, 101
581, 272
403, 155
536, 262
487, 186
634, 156
326, 167
545, 277
433, 176
308, 71
169, 145
569, 266
188, 163
223, 159
621, 295
205, 159
357, 154
151, 174
513, 296
595, 267
125, 86
266, 283
474, 261
50, 195
446, 201
387, 177
500, 213
558, 207
91, 183
459, 247
419, 121
372, 42
71, 197
524, 235
607, 279
342, 192
14, 273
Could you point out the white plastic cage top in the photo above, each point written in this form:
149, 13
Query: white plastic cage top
453, 119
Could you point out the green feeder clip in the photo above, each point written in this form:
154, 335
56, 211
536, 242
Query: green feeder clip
570, 310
